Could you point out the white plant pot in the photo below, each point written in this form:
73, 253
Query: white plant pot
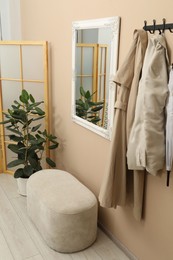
21, 182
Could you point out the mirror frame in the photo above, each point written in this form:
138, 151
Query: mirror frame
114, 24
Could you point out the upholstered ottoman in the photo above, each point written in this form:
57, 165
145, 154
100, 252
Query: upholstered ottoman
63, 210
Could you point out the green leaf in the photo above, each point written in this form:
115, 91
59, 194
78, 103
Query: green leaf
95, 109
95, 103
86, 107
21, 156
24, 97
87, 95
34, 148
19, 173
5, 122
15, 163
33, 162
40, 111
43, 133
52, 138
23, 100
32, 98
35, 128
14, 107
16, 138
32, 106
79, 102
16, 102
15, 148
95, 120
30, 121
54, 146
50, 162
38, 118
90, 117
14, 131
82, 91
37, 136
20, 114
25, 94
30, 137
28, 170
6, 115
37, 141
10, 111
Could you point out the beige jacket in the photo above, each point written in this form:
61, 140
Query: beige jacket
146, 146
113, 190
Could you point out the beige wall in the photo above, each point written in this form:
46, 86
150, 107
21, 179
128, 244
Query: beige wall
84, 153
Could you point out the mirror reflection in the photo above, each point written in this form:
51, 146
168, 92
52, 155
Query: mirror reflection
95, 44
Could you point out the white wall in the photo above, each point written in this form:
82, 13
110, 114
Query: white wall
10, 19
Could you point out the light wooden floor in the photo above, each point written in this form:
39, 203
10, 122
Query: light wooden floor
20, 240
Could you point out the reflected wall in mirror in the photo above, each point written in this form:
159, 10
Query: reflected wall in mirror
94, 63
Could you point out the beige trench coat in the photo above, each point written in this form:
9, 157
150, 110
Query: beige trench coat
113, 190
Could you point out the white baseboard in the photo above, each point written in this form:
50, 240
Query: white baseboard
117, 242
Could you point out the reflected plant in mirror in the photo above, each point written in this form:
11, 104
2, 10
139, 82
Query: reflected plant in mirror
87, 109
94, 53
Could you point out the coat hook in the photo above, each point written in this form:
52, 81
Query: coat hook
164, 21
145, 25
153, 31
171, 31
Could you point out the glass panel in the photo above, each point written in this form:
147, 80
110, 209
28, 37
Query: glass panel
103, 60
10, 92
88, 60
98, 88
90, 35
78, 60
10, 156
10, 55
33, 62
78, 84
101, 80
87, 84
99, 61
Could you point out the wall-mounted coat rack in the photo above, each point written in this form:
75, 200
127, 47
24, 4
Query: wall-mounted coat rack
160, 27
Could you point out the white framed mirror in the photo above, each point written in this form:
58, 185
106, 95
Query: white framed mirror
94, 63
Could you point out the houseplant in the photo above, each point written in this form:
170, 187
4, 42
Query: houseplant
29, 141
86, 108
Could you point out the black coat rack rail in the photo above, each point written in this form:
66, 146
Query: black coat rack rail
160, 27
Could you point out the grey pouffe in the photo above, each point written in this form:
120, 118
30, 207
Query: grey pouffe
63, 210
